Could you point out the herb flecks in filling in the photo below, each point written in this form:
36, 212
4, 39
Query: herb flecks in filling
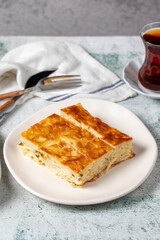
21, 144
80, 177
38, 154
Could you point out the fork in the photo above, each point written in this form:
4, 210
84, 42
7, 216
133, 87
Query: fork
49, 83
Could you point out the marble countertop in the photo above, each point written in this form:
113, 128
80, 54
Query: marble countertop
134, 216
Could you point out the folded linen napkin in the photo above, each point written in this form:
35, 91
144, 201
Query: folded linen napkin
68, 58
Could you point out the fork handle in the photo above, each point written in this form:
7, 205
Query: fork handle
13, 94
8, 103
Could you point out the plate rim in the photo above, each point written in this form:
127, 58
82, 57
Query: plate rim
139, 91
81, 202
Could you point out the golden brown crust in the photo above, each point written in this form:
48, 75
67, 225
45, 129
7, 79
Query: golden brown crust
73, 146
107, 133
70, 145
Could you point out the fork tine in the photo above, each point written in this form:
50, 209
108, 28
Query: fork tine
62, 77
68, 86
65, 76
67, 80
67, 83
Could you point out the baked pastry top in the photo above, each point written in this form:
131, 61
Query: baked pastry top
81, 117
70, 145
76, 146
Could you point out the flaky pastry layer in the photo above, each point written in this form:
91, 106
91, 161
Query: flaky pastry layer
76, 146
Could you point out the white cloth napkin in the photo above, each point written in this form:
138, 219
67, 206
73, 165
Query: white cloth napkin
68, 58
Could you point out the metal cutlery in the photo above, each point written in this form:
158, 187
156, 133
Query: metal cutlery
61, 82
47, 84
32, 81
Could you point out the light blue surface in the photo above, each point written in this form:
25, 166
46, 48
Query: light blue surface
135, 216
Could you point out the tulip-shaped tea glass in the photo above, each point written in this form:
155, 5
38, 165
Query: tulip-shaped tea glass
149, 73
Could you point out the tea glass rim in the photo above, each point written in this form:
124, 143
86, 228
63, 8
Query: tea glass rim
146, 28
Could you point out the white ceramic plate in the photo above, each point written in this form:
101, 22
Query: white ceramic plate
121, 180
130, 76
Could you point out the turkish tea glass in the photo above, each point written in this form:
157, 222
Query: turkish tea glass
149, 73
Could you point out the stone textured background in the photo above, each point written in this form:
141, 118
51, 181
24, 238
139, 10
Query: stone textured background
76, 17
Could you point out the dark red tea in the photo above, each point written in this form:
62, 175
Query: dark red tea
149, 74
